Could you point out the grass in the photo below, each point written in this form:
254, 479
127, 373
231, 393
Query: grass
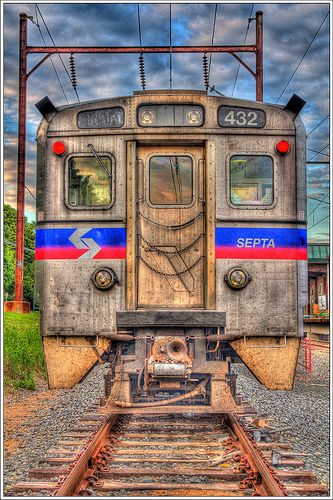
23, 351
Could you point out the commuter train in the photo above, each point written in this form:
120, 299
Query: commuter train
171, 242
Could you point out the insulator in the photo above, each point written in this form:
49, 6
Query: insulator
205, 71
73, 71
142, 71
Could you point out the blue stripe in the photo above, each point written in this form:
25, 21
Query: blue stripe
59, 237
239, 236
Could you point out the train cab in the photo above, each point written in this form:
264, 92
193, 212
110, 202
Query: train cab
170, 242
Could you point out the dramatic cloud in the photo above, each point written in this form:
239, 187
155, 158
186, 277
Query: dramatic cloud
289, 28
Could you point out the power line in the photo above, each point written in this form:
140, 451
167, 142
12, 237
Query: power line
320, 152
212, 42
12, 244
245, 38
34, 197
321, 201
320, 162
54, 44
141, 58
139, 23
315, 128
318, 199
213, 89
316, 224
307, 50
170, 56
41, 34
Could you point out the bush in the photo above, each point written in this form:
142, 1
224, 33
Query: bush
23, 351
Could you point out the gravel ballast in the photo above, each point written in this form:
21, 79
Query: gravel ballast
46, 429
303, 413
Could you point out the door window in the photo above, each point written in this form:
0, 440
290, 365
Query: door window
170, 180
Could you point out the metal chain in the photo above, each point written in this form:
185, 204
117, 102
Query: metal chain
179, 226
179, 273
171, 252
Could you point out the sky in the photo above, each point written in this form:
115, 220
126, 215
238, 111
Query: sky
296, 37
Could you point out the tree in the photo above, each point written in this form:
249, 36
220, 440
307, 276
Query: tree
9, 235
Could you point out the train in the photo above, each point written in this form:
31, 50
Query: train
171, 243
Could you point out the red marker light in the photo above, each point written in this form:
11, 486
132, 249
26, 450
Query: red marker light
59, 148
283, 147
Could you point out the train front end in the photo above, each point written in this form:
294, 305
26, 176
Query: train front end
171, 242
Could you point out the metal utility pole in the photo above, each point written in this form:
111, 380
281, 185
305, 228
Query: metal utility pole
259, 57
18, 304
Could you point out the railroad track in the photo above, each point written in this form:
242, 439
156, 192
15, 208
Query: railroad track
168, 455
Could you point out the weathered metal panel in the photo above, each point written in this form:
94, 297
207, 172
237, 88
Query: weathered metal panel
68, 299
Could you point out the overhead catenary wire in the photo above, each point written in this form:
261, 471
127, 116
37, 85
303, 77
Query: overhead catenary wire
54, 68
206, 67
302, 58
34, 197
318, 199
317, 152
320, 202
321, 220
320, 152
141, 58
12, 244
317, 126
212, 42
245, 38
54, 44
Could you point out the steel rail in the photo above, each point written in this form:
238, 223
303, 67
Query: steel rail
72, 481
74, 477
269, 482
115, 440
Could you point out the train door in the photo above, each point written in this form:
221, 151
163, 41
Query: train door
170, 227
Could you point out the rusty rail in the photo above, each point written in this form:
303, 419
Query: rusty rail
270, 485
74, 478
144, 453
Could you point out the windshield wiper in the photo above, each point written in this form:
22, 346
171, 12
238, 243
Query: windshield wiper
100, 161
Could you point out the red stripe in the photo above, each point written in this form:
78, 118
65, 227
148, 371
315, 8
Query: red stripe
58, 253
111, 253
261, 253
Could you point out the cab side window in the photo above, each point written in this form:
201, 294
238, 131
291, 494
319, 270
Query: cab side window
90, 182
251, 180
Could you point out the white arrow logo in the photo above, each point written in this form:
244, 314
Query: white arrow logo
84, 243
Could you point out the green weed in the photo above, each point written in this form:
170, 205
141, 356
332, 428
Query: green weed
23, 351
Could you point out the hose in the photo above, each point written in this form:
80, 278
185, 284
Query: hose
199, 389
216, 347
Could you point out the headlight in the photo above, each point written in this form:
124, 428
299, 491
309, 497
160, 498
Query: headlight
193, 117
104, 279
237, 278
147, 117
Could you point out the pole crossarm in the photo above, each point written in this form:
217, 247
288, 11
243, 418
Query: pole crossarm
152, 49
